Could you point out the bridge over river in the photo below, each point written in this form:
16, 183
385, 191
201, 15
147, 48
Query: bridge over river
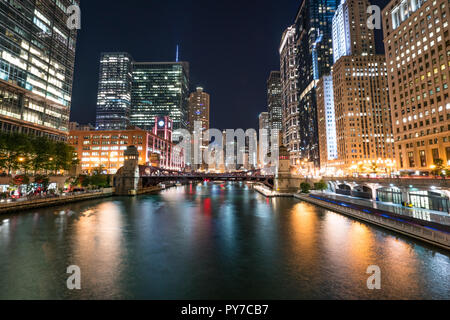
132, 177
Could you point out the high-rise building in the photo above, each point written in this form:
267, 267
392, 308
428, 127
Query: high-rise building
199, 103
313, 58
37, 54
274, 91
417, 43
114, 91
363, 120
264, 137
290, 94
198, 109
326, 122
361, 97
160, 89
351, 33
264, 122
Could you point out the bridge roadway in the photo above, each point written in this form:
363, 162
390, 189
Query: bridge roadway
154, 175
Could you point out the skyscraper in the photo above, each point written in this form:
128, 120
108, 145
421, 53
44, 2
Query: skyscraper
326, 122
417, 43
264, 121
114, 91
274, 91
350, 30
363, 120
160, 89
199, 109
289, 92
313, 58
199, 112
37, 54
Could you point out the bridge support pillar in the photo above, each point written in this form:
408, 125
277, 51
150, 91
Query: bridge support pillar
126, 181
373, 187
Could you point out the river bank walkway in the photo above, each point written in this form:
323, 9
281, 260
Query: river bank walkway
56, 201
431, 232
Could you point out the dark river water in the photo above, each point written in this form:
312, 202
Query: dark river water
210, 241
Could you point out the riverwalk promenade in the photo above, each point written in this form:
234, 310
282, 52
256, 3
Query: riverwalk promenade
430, 232
21, 205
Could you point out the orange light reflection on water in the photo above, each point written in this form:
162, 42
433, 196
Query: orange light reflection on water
97, 248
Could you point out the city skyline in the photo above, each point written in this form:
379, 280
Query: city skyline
329, 177
245, 73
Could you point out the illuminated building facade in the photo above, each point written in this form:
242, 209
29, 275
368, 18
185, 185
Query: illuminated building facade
290, 94
275, 109
160, 89
264, 121
114, 91
106, 148
326, 122
163, 128
311, 59
361, 96
351, 34
363, 120
199, 108
264, 124
37, 54
199, 104
417, 43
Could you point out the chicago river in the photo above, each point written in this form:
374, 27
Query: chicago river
210, 241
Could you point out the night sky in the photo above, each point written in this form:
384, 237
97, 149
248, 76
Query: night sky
231, 46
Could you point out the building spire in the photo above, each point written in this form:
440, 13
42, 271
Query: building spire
177, 54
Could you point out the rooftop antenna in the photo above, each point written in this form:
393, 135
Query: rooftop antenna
178, 52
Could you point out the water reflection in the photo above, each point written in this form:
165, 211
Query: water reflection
97, 248
210, 241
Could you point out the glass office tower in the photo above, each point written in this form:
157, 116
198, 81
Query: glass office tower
274, 90
160, 89
37, 54
314, 58
114, 91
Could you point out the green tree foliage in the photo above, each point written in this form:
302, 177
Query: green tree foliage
305, 187
82, 181
37, 154
320, 186
98, 179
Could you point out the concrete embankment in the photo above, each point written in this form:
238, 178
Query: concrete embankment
147, 190
51, 202
428, 234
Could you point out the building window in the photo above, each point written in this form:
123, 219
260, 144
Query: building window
423, 159
448, 155
435, 153
412, 164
